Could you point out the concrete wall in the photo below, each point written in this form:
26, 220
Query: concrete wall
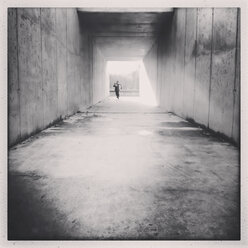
48, 68
100, 82
199, 67
151, 68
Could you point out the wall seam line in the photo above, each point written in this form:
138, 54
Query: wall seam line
175, 60
158, 88
211, 67
57, 110
235, 70
196, 49
66, 58
18, 75
42, 79
89, 53
93, 70
184, 55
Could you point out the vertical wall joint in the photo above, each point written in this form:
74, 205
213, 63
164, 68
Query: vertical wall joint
235, 69
196, 50
211, 66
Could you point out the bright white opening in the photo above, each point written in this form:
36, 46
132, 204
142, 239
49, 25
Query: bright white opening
146, 92
122, 67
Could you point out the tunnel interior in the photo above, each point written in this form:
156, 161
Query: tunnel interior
83, 165
189, 63
123, 37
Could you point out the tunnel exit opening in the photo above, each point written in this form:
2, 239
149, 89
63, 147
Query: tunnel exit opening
127, 73
134, 80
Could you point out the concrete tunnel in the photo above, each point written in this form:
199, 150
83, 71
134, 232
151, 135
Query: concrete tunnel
57, 60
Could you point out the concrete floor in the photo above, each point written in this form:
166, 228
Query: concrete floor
123, 171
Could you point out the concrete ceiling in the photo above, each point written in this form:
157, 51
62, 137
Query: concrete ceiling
123, 22
124, 48
124, 35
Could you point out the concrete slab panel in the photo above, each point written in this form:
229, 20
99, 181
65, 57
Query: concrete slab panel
90, 59
61, 26
78, 80
85, 71
151, 66
203, 63
13, 79
171, 56
189, 70
168, 52
73, 31
62, 80
160, 94
223, 70
74, 65
69, 28
61, 29
71, 88
179, 61
49, 59
30, 70
98, 75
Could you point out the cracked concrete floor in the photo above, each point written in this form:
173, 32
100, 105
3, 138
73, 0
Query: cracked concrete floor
123, 171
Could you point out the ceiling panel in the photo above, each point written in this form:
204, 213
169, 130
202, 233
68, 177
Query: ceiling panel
124, 47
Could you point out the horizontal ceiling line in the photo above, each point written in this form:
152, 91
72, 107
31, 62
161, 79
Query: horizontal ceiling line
114, 36
125, 10
123, 32
123, 23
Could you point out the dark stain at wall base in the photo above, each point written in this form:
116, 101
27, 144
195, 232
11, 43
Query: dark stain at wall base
220, 136
36, 131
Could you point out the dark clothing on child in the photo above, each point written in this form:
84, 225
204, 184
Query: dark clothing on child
117, 89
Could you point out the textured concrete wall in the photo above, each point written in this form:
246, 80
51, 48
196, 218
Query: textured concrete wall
151, 68
49, 65
30, 70
61, 27
86, 70
100, 84
223, 70
179, 61
13, 79
167, 66
199, 67
189, 62
203, 65
48, 68
236, 90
